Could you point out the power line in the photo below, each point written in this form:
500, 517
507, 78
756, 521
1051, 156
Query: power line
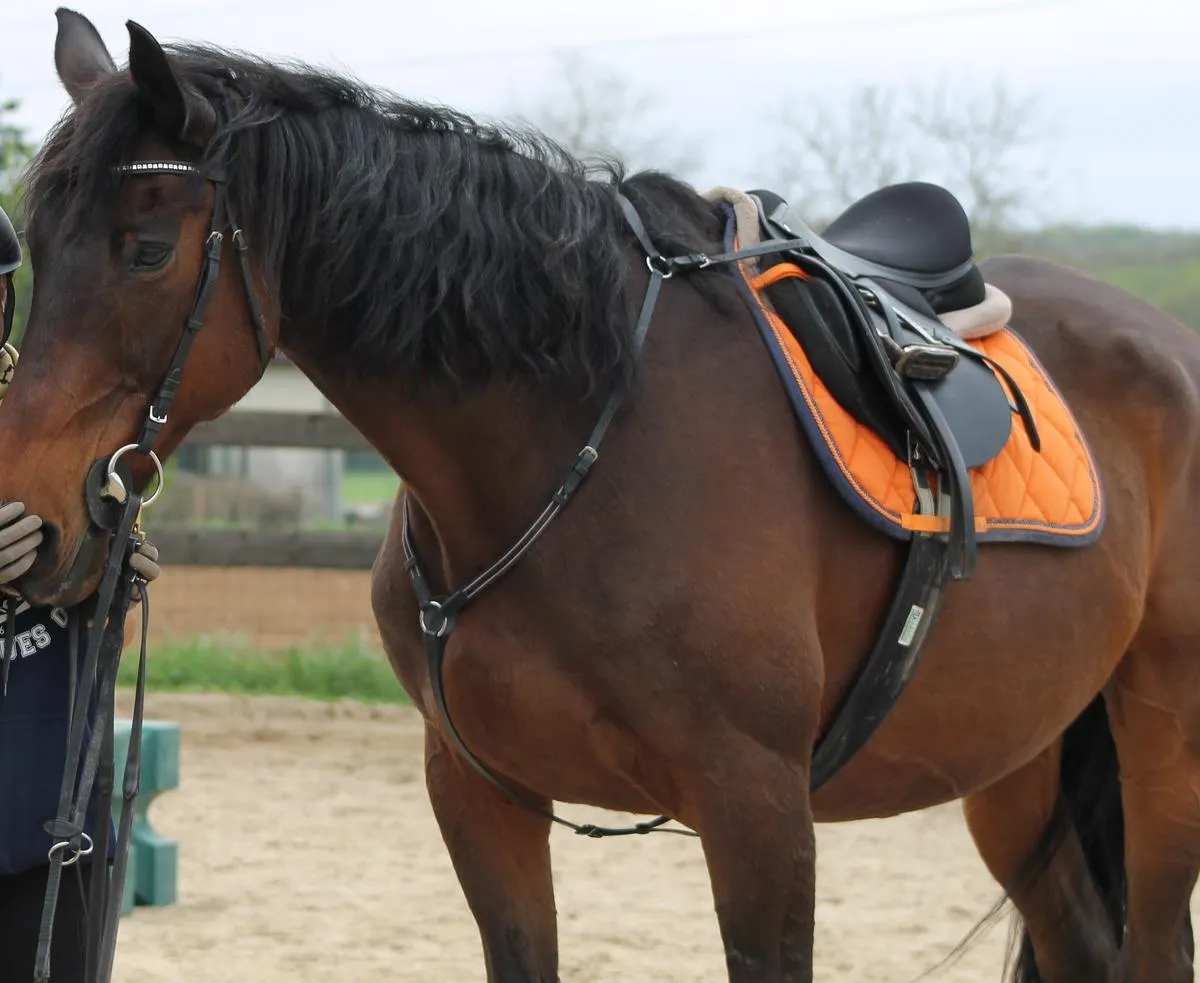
678, 40
681, 40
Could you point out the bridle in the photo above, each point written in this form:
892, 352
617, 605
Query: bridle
114, 507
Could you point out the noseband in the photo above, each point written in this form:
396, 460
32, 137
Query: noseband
114, 506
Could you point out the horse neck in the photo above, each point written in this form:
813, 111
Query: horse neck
478, 469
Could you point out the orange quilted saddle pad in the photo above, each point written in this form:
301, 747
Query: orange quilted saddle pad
1051, 496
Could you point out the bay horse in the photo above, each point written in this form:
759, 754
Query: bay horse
677, 629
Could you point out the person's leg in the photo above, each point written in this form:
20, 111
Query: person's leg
21, 900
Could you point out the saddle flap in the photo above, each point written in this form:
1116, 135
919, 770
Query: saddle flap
816, 317
972, 400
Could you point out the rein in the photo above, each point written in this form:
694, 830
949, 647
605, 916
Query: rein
113, 507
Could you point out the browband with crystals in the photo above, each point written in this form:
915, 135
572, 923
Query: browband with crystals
155, 167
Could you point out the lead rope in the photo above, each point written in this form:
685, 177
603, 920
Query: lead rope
130, 788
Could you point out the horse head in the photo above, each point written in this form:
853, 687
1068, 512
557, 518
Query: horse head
128, 230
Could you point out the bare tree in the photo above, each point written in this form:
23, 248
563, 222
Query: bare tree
989, 142
981, 144
829, 155
595, 112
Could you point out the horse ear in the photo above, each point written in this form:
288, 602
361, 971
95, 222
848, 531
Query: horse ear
80, 56
179, 114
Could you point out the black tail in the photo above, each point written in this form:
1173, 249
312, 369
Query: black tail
1090, 805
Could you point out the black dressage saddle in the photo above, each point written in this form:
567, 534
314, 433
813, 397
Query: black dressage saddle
900, 256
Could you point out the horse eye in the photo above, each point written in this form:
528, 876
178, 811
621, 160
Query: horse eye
151, 257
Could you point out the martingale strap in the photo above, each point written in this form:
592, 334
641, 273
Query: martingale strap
438, 614
883, 674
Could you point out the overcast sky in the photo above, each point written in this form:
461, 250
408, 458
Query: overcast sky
1119, 81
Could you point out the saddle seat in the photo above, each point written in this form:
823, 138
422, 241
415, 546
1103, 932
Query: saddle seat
915, 226
915, 238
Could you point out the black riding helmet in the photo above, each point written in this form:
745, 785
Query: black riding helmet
10, 259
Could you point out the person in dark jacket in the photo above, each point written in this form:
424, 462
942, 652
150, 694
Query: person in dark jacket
34, 722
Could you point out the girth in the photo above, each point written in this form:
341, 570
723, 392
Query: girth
929, 566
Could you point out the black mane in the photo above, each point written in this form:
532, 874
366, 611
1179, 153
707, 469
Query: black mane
402, 237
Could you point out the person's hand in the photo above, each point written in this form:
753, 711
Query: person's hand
8, 362
20, 536
144, 561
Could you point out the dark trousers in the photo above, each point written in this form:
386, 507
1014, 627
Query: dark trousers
21, 900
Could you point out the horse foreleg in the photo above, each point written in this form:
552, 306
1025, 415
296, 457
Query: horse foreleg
501, 855
1065, 922
761, 854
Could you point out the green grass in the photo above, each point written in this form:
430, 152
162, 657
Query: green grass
369, 487
1173, 285
349, 671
